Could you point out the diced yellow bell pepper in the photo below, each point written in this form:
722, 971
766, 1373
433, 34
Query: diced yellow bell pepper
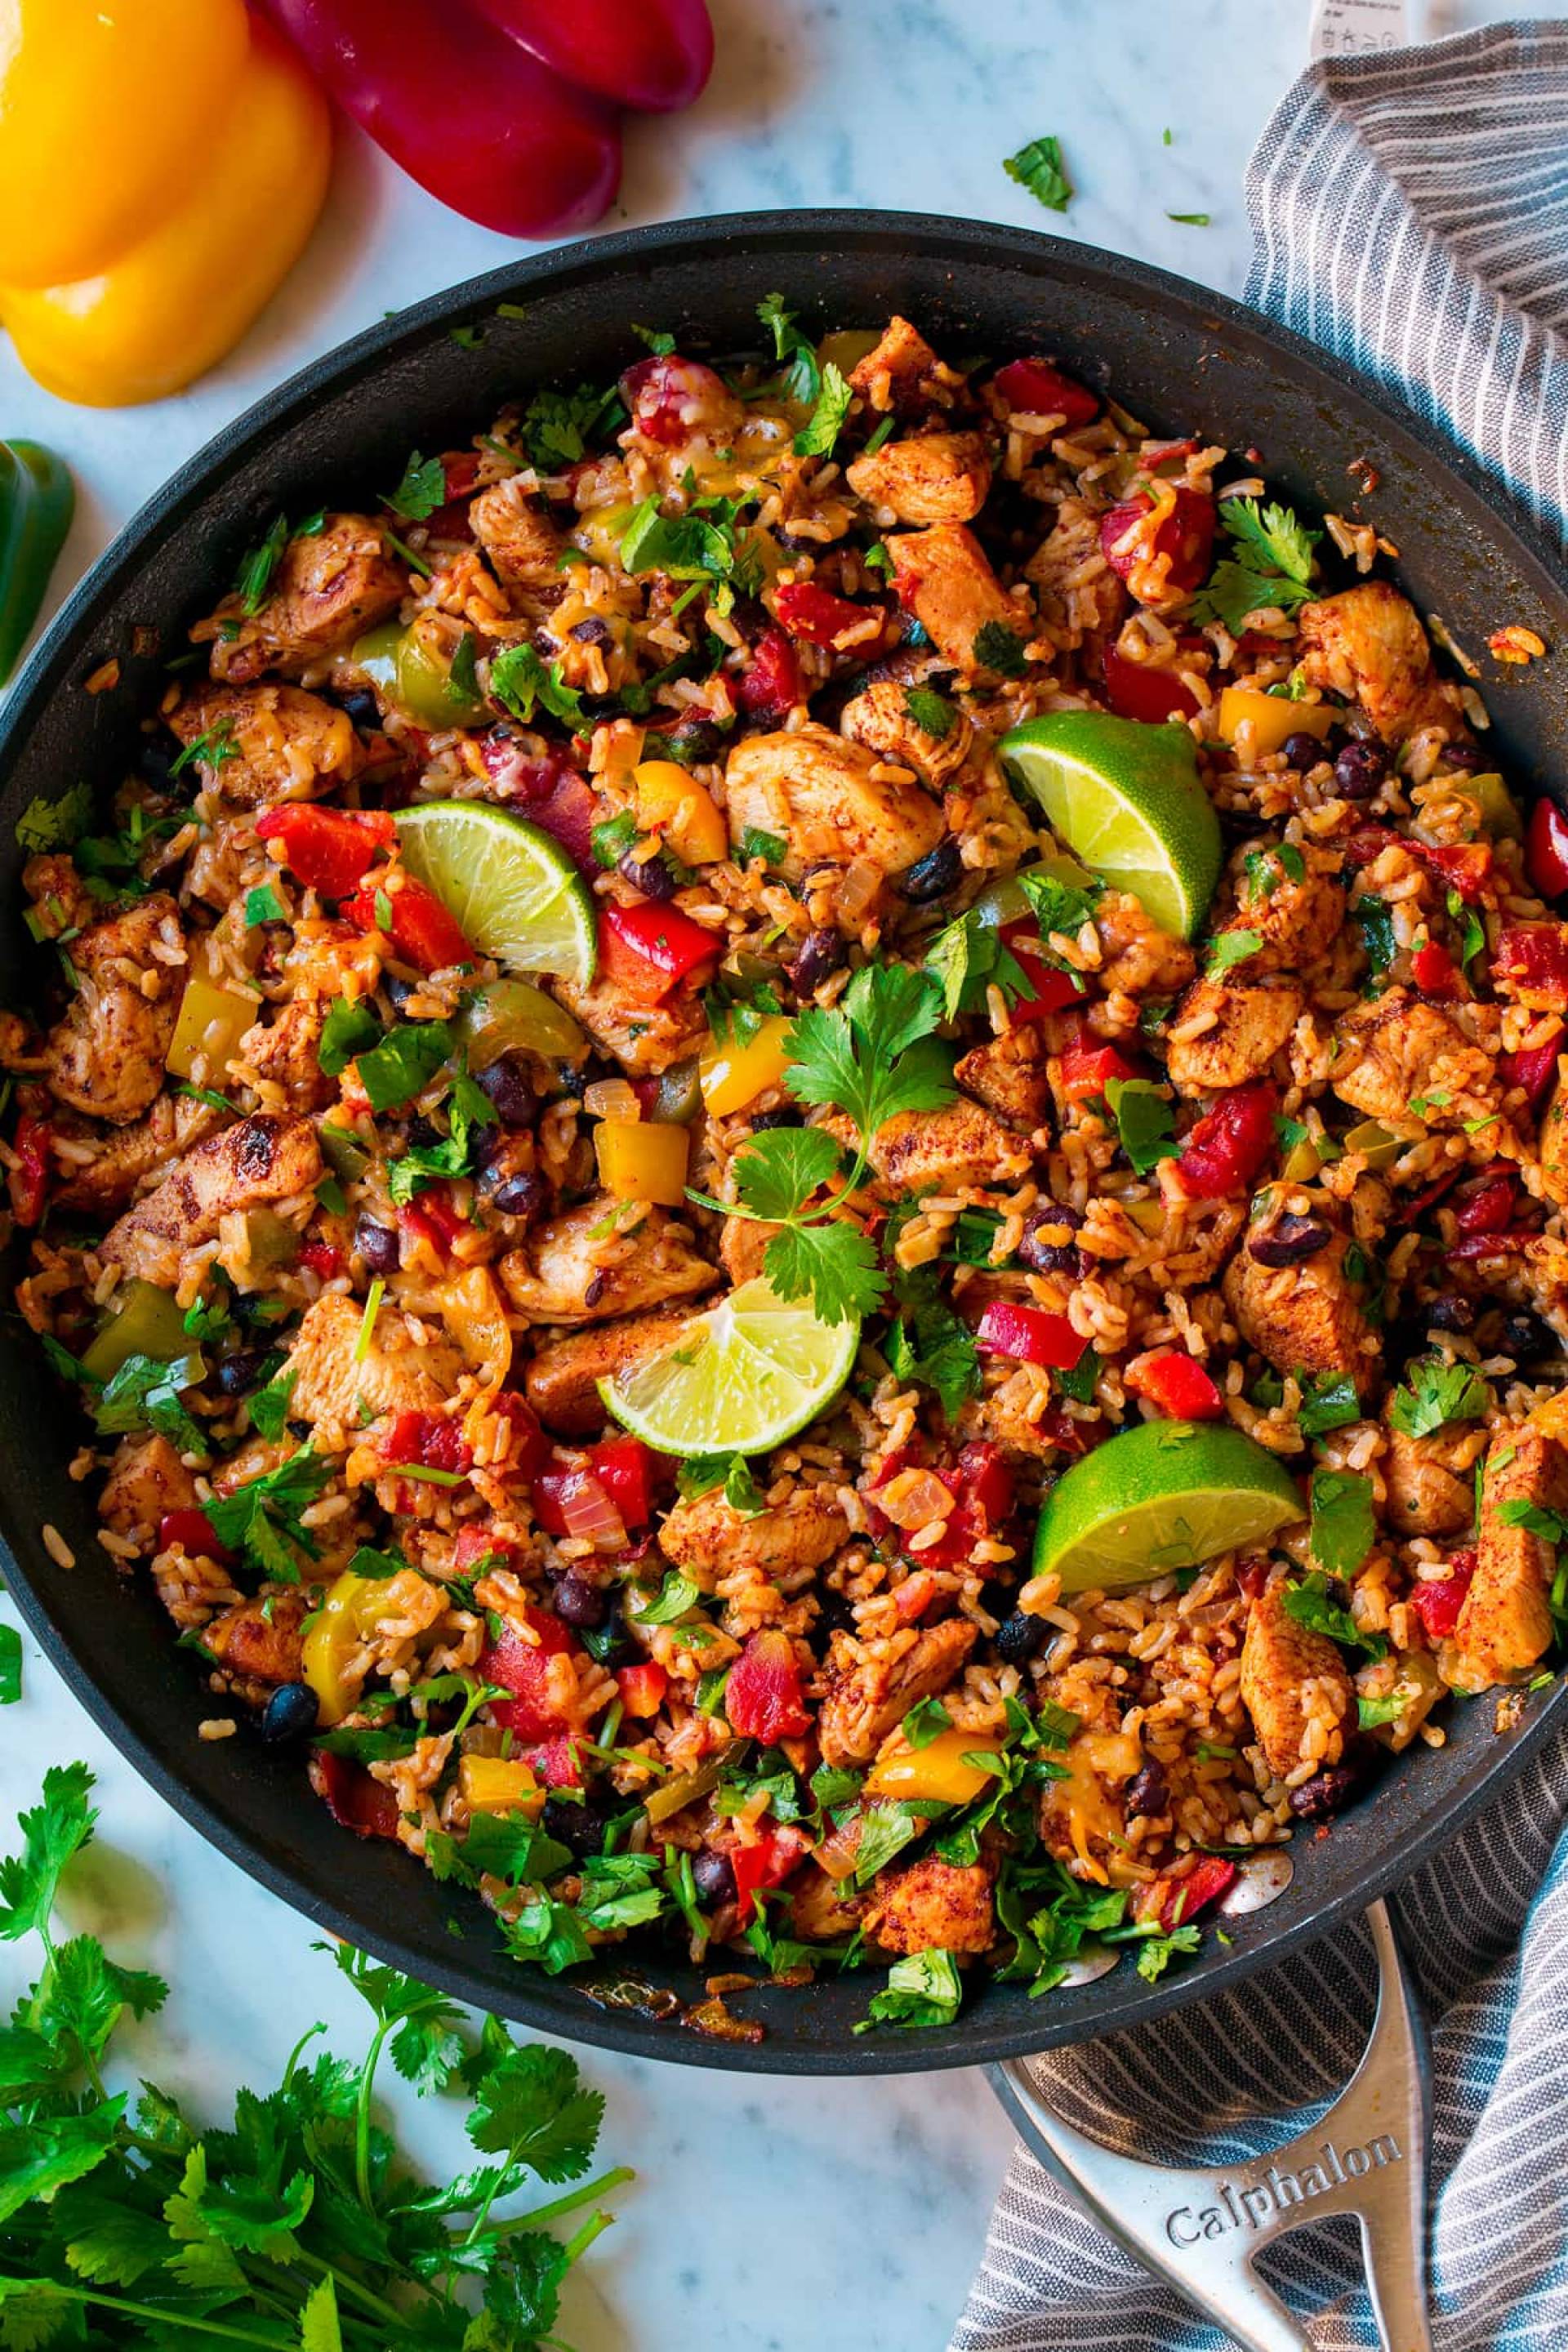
600, 533
211, 1023
1375, 1143
499, 1784
735, 1074
147, 1322
1498, 809
847, 347
937, 1771
671, 803
642, 1159
171, 304
353, 1607
1273, 717
1301, 1163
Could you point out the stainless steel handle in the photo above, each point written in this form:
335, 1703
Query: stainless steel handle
1200, 2227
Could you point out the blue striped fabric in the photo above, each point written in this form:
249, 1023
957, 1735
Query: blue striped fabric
1410, 212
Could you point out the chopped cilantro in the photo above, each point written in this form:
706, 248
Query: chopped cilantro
1435, 1392
998, 648
1040, 168
422, 489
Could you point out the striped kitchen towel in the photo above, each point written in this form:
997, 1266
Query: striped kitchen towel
1410, 212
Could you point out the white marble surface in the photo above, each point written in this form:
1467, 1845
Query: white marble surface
792, 2217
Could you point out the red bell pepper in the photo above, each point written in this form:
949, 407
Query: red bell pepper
475, 1542
193, 1531
771, 685
1152, 696
1546, 849
330, 850
1225, 1150
426, 1441
654, 54
766, 1862
647, 950
642, 1687
985, 1480
1030, 1334
1186, 538
353, 1799
419, 925
1052, 989
763, 1696
622, 1468
1172, 1902
1531, 960
557, 1762
812, 612
557, 799
522, 1667
1507, 1244
321, 1258
1037, 388
430, 1218
1088, 1070
1438, 1605
1176, 1384
1435, 972
466, 111
1534, 1069
29, 1179
671, 398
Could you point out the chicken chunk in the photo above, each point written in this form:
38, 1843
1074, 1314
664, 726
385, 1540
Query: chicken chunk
1505, 1623
878, 719
865, 1701
1246, 1026
708, 1535
962, 1143
567, 1272
267, 743
902, 372
932, 1903
1076, 587
60, 898
644, 1038
1137, 959
516, 532
1294, 922
1292, 1679
930, 478
944, 577
341, 1383
1009, 1075
1306, 1318
743, 1246
1368, 644
146, 1480
111, 1168
106, 1057
1427, 1483
1398, 1048
561, 1382
329, 586
822, 795
283, 1053
1552, 1146
260, 1640
259, 1161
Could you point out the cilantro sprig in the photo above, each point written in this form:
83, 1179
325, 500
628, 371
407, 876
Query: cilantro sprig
1272, 565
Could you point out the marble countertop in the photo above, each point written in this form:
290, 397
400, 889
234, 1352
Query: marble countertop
884, 2187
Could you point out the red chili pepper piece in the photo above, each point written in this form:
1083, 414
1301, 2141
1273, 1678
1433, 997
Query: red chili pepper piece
29, 1182
1152, 696
772, 685
1030, 1334
1435, 972
522, 1667
812, 612
671, 398
766, 1862
654, 55
1186, 538
649, 949
354, 1800
763, 1697
193, 1531
1172, 1902
1535, 1069
1546, 849
1177, 1384
330, 850
419, 925
1038, 388
1438, 1605
1225, 1150
1531, 960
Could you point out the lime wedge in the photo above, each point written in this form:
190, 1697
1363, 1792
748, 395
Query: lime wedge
740, 1379
514, 891
1128, 800
1162, 1495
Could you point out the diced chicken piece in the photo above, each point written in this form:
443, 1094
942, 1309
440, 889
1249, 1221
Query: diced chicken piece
518, 535
1429, 1489
879, 720
1293, 1679
283, 1053
328, 589
865, 1701
1009, 1075
645, 1039
62, 900
570, 1270
918, 1150
258, 1162
261, 1641
1247, 1027
821, 795
146, 1479
930, 478
708, 1535
1294, 922
1306, 1318
1076, 586
340, 1382
901, 372
129, 1157
943, 576
266, 743
561, 1382
744, 1245
821, 1908
1506, 1624
1399, 1047
106, 1057
932, 1903
215, 871
1368, 644
1552, 1146
1137, 959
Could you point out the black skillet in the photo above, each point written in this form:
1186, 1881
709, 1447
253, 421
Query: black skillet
1184, 359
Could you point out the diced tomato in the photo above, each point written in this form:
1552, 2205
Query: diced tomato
569, 1500
1465, 866
766, 1862
1438, 1605
648, 949
419, 925
475, 1542
1533, 1070
1489, 1209
460, 470
522, 1667
321, 1257
1368, 842
769, 689
1434, 972
981, 1484
763, 1697
1185, 538
1134, 691
431, 1218
1546, 849
330, 850
1088, 1070
1030, 1334
29, 1180
557, 1762
354, 1800
1252, 1575
426, 1441
531, 1449
193, 1531
1052, 989
642, 1687
1177, 1384
1174, 1902
671, 398
1225, 1150
1039, 389
812, 612
986, 1479
1530, 960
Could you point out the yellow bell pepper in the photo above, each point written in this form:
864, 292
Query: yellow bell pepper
937, 1771
144, 318
1273, 717
671, 803
1495, 805
642, 1159
499, 1784
352, 1609
211, 1023
735, 1074
1376, 1146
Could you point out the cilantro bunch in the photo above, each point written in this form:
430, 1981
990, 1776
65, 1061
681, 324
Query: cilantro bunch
300, 2226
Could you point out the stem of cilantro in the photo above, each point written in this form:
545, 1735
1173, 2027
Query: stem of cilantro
583, 2194
152, 2311
362, 2114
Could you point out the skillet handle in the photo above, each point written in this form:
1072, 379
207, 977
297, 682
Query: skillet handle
1199, 2228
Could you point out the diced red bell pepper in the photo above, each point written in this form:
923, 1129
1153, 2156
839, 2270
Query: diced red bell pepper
1438, 1605
1546, 849
1088, 1070
766, 1862
321, 1258
529, 1449
1535, 1069
1225, 1150
569, 1500
624, 1468
426, 1441
1174, 1902
671, 398
1185, 538
771, 685
475, 1542
1177, 1384
654, 55
642, 1687
1052, 989
419, 926
193, 1531
648, 949
1030, 1334
330, 850
1134, 691
986, 1479
1531, 960
763, 1697
557, 1762
813, 614
1488, 1209
556, 797
1037, 388
353, 1799
29, 1180
1435, 972
431, 1218
522, 1667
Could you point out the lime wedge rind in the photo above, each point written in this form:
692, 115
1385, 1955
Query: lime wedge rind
512, 889
740, 1377
1161, 1495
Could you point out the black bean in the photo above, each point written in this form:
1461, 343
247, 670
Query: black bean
363, 709
1525, 1335
507, 1083
651, 876
1020, 1637
713, 1876
699, 739
1324, 1793
1045, 1248
1467, 758
1451, 1312
1148, 1792
155, 759
520, 1196
820, 955
578, 1823
1302, 752
578, 1602
934, 876
1360, 770
1288, 1242
238, 1372
787, 1115
377, 1244
288, 1714
592, 631
400, 990
574, 1079
424, 1133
